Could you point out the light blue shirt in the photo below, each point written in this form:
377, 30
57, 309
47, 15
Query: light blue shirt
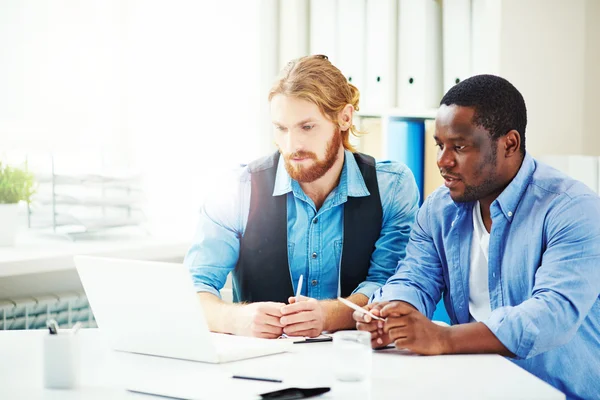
544, 273
215, 249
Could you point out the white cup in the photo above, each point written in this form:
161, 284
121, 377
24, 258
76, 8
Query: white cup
353, 354
61, 360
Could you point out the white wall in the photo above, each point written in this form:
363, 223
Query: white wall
193, 98
543, 54
60, 75
591, 79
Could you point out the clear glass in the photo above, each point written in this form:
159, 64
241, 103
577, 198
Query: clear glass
352, 352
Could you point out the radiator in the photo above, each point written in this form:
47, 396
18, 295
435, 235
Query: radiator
33, 312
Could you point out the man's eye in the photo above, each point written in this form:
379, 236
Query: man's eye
307, 127
459, 148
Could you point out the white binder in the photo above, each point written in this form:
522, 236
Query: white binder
323, 28
351, 41
419, 54
485, 36
381, 47
293, 30
456, 18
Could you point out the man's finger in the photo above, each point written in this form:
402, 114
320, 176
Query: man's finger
295, 329
273, 309
297, 299
297, 318
267, 335
394, 322
398, 333
264, 319
298, 307
360, 316
397, 307
267, 329
366, 327
307, 333
402, 343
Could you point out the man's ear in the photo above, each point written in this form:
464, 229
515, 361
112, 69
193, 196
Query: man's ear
345, 117
512, 143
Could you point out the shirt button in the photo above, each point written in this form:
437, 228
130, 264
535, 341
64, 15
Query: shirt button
314, 282
510, 213
494, 274
315, 220
314, 255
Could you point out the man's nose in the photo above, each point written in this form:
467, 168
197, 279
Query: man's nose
445, 159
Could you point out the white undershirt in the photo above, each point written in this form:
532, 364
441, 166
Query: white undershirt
479, 293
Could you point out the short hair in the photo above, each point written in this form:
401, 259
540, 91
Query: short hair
315, 79
499, 106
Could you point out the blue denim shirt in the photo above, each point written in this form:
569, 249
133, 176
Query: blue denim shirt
215, 249
544, 273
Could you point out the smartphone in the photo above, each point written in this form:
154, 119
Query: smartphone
294, 393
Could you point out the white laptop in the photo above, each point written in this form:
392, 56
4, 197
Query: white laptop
150, 307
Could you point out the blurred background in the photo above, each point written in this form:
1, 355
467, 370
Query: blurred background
126, 113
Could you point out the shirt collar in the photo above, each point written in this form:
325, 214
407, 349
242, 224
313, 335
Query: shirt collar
511, 196
506, 203
351, 180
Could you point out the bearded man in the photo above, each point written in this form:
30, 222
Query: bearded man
315, 208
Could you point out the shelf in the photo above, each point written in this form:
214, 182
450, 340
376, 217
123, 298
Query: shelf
124, 182
72, 225
93, 201
81, 203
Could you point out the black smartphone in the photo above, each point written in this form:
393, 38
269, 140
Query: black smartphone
294, 393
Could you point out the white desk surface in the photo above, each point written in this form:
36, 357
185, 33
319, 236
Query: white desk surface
40, 254
104, 373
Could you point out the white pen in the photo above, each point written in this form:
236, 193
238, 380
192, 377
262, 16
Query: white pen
358, 308
299, 287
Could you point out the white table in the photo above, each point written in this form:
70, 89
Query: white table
104, 373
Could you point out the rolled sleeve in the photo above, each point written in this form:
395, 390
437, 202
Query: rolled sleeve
215, 248
405, 294
367, 288
400, 203
203, 287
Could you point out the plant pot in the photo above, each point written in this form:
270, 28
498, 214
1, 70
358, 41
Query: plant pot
9, 224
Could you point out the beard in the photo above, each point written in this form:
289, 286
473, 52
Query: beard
489, 185
307, 174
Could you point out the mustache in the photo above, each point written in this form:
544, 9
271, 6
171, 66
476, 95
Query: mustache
446, 173
301, 154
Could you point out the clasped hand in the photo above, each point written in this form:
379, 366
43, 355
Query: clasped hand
303, 316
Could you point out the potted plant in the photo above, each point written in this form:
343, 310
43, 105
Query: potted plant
16, 185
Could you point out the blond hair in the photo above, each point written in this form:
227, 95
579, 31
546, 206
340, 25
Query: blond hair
316, 79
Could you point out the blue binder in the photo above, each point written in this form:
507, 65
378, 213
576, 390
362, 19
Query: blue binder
405, 143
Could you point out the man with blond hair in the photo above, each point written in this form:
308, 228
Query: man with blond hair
314, 208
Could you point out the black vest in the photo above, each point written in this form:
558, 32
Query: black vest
262, 272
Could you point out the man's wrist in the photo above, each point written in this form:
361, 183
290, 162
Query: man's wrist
232, 320
327, 312
447, 339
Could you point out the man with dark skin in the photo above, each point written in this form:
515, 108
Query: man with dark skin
512, 245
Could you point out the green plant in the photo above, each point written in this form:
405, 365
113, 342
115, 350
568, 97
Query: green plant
15, 184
